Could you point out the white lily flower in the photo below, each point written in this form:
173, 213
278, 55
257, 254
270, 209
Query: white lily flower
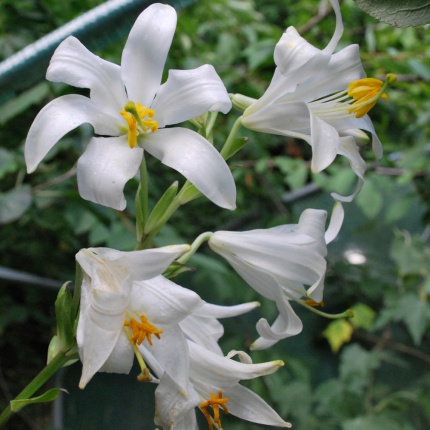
129, 110
279, 263
216, 380
126, 303
311, 97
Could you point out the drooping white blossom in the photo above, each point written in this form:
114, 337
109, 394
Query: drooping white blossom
129, 109
283, 263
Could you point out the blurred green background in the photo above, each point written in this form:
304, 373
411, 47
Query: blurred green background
369, 373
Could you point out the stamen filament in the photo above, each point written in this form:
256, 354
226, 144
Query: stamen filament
135, 114
215, 402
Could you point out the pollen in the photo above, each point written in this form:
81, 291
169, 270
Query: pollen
139, 120
141, 330
366, 92
314, 304
215, 402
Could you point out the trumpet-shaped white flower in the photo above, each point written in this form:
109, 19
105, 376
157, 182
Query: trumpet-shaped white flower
129, 109
126, 303
313, 96
214, 384
279, 263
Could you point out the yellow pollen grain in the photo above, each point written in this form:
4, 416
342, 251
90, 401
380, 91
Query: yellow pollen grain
314, 304
365, 92
139, 118
215, 402
141, 330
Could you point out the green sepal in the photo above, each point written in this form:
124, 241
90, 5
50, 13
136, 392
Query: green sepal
49, 396
176, 269
65, 337
160, 208
236, 146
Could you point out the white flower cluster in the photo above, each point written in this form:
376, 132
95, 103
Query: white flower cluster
127, 307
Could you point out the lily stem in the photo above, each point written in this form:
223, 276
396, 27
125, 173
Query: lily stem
56, 363
195, 246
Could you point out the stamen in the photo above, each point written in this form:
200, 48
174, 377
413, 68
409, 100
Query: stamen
357, 100
367, 92
214, 402
313, 303
142, 330
135, 114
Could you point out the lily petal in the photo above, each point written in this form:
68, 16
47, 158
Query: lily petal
209, 310
145, 52
245, 404
170, 303
189, 93
293, 51
58, 118
336, 222
144, 264
325, 143
75, 65
287, 324
338, 30
348, 148
218, 371
194, 157
104, 168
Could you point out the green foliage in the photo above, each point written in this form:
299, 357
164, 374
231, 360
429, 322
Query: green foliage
379, 376
398, 13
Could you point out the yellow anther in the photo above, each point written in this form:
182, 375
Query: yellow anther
141, 330
314, 304
135, 114
366, 92
215, 402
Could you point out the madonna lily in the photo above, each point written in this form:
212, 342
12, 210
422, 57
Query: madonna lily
125, 304
279, 263
129, 110
313, 96
216, 380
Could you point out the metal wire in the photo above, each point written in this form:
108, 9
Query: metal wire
100, 26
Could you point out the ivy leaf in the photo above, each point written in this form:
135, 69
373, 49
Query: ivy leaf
364, 316
398, 13
337, 333
14, 203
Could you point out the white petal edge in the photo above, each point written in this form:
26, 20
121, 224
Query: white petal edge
105, 167
336, 222
145, 52
189, 93
194, 157
73, 64
59, 117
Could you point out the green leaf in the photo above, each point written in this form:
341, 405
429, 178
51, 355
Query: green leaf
14, 203
49, 396
370, 199
8, 162
364, 316
337, 333
398, 13
160, 208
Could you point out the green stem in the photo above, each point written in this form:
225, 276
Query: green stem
195, 246
143, 195
230, 139
349, 313
56, 363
